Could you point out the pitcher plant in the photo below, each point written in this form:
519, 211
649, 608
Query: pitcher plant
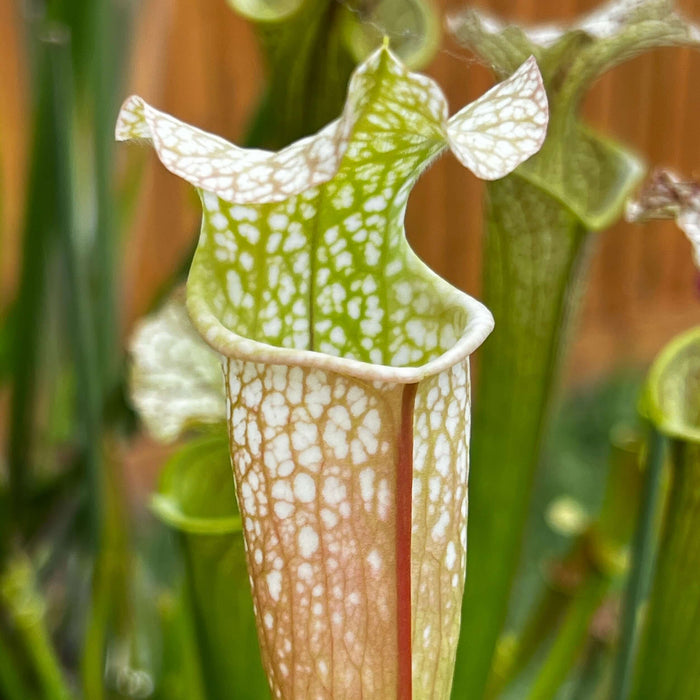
538, 233
671, 404
346, 372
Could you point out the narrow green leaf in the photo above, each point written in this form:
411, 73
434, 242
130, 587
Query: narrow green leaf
38, 244
7, 333
12, 685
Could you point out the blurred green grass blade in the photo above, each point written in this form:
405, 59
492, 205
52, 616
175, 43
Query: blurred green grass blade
7, 333
104, 107
86, 366
57, 42
569, 640
26, 610
111, 620
12, 686
594, 671
642, 558
38, 242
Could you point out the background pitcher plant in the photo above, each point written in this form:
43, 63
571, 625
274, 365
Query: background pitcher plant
346, 364
536, 251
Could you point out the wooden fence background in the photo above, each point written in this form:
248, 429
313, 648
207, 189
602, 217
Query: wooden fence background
198, 60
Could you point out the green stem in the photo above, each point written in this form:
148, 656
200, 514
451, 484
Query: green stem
539, 627
38, 646
592, 671
668, 667
181, 676
197, 499
533, 251
642, 557
12, 687
570, 639
25, 609
593, 562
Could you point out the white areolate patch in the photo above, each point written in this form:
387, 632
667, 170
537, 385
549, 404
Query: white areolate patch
439, 525
319, 530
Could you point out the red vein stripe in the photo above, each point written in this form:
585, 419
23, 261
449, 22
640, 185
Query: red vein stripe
404, 494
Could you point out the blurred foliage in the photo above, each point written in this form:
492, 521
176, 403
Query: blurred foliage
93, 605
590, 458
671, 401
311, 47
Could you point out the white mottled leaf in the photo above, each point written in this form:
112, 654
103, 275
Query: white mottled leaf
232, 173
504, 127
666, 196
176, 379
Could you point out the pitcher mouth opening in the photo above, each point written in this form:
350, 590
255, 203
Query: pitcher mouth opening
460, 326
672, 395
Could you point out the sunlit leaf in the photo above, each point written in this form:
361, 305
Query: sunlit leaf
346, 365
